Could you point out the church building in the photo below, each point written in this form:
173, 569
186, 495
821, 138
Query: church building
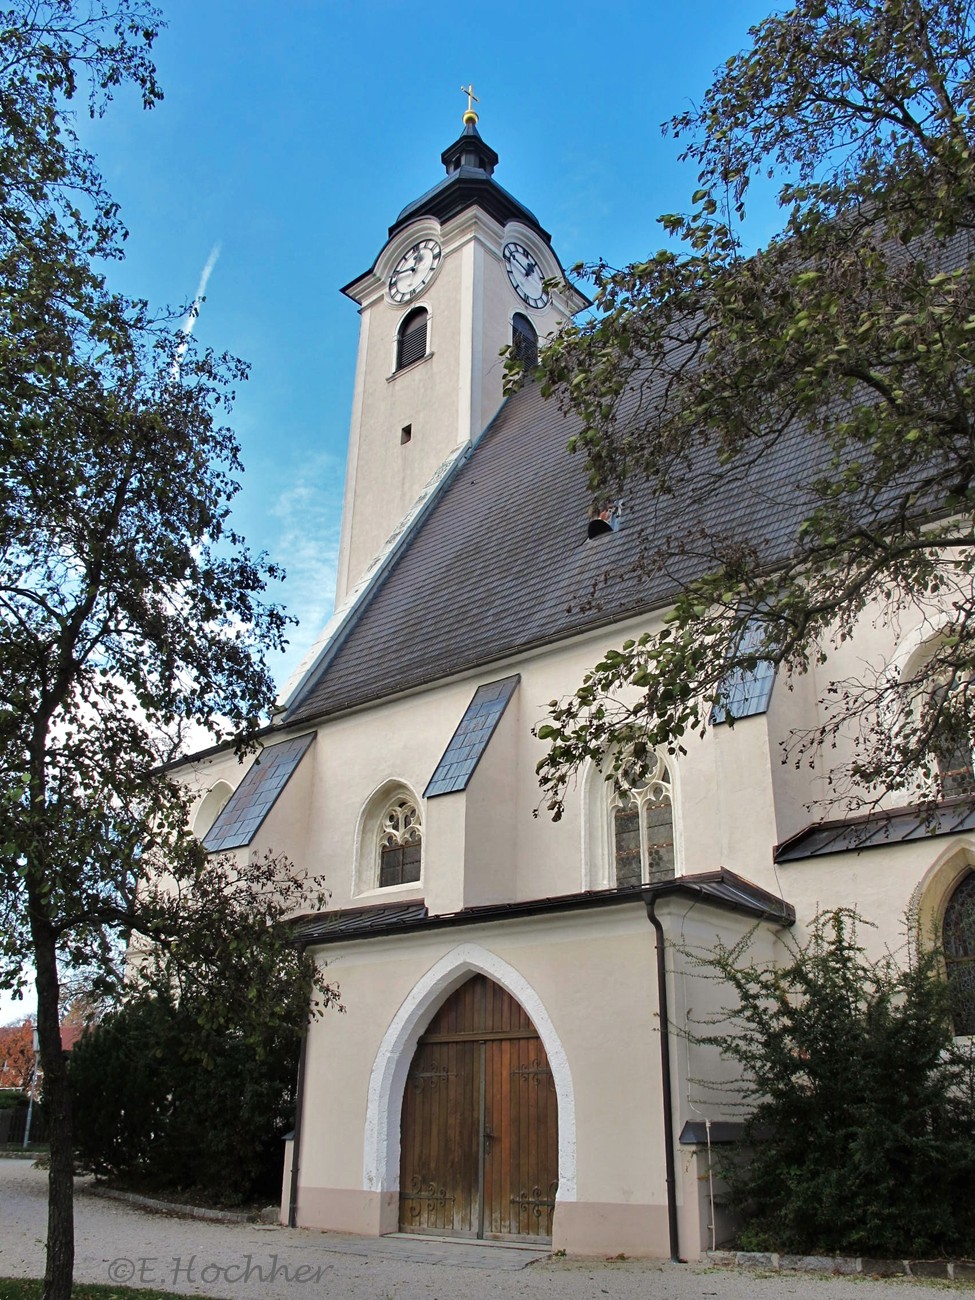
513, 1062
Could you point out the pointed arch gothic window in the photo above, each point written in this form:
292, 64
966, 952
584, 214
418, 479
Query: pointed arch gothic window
400, 838
958, 945
524, 340
643, 830
953, 745
934, 712
411, 340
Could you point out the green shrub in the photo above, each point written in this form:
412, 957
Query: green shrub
861, 1139
164, 1104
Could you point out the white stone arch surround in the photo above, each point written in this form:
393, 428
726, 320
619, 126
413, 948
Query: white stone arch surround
930, 897
365, 859
209, 806
381, 1163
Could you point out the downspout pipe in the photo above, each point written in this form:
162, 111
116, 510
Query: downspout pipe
296, 1137
667, 1093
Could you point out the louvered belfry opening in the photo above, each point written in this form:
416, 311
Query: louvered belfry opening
412, 342
479, 1153
524, 340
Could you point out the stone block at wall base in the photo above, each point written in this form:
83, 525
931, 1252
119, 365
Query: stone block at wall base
610, 1228
339, 1209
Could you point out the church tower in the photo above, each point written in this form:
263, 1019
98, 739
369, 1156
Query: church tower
461, 276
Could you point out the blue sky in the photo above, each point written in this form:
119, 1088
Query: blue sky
291, 136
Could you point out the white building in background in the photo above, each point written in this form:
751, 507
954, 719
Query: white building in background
507, 1066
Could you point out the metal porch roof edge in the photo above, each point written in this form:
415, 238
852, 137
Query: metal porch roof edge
879, 829
723, 888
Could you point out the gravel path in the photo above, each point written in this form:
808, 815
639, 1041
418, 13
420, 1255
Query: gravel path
115, 1242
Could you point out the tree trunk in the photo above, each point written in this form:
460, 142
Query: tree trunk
57, 1107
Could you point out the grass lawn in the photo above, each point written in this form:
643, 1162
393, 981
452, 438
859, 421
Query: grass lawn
12, 1288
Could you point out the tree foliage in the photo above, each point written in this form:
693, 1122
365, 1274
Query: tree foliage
149, 1113
861, 1137
129, 607
17, 1064
188, 1085
826, 380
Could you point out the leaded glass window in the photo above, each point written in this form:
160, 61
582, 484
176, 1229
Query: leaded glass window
658, 817
958, 941
400, 838
952, 743
643, 831
954, 759
629, 859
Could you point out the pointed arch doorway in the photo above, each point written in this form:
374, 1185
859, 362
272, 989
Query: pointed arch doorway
479, 1131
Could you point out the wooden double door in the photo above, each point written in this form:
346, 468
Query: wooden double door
479, 1134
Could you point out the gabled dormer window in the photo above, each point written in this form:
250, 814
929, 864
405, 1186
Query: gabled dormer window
524, 341
411, 341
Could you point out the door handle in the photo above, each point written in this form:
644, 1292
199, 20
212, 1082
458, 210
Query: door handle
488, 1138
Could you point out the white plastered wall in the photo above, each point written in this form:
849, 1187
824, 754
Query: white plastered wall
591, 973
450, 396
559, 968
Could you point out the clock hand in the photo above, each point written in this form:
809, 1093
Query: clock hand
528, 268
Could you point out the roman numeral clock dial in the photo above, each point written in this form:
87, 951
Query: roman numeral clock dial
525, 275
414, 270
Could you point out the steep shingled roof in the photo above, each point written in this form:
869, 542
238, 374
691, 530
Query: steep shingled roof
501, 563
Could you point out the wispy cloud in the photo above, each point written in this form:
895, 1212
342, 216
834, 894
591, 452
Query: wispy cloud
309, 518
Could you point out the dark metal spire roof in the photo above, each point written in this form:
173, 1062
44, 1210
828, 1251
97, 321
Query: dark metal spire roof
469, 182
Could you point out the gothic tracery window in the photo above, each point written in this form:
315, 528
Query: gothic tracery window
958, 943
953, 751
643, 830
400, 838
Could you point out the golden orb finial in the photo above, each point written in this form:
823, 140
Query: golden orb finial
470, 117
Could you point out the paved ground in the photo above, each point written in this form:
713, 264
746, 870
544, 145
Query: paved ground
115, 1242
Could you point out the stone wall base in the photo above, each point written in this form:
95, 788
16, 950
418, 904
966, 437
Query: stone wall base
949, 1270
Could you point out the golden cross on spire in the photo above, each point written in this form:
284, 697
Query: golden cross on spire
472, 99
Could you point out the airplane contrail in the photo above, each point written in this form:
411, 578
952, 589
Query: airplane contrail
194, 311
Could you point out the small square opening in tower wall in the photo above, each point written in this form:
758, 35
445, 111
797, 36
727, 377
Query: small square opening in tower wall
405, 434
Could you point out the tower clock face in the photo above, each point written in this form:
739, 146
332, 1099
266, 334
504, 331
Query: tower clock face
414, 270
525, 275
